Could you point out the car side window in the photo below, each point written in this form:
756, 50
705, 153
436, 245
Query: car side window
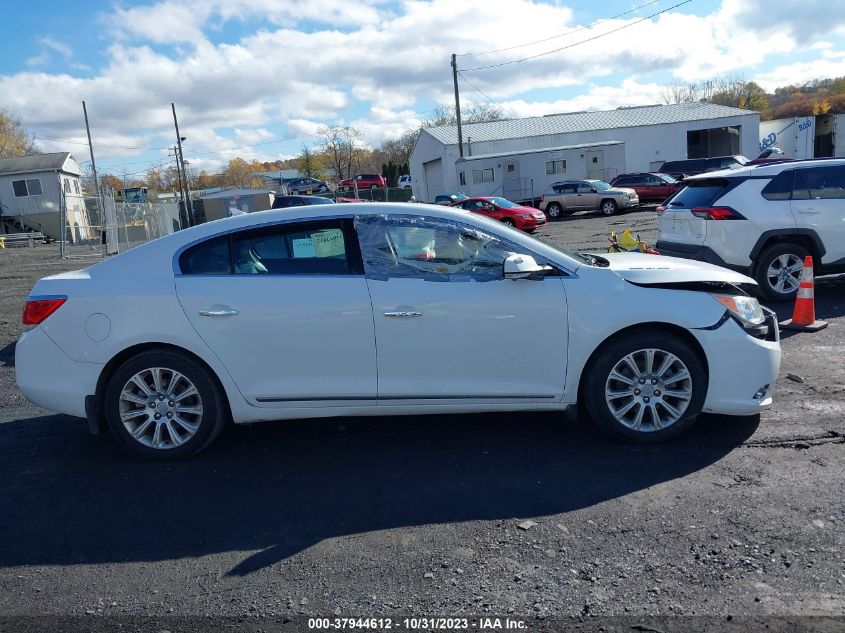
779, 187
207, 258
433, 249
324, 247
585, 187
820, 183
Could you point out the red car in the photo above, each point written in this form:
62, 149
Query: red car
649, 186
524, 218
364, 181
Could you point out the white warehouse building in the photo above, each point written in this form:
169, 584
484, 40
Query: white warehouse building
519, 158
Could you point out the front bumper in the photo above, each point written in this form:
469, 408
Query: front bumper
50, 378
743, 368
628, 203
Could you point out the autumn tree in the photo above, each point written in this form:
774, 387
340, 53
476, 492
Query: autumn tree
14, 140
110, 182
309, 163
341, 149
242, 174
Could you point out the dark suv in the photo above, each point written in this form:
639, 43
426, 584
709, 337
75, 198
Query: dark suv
681, 168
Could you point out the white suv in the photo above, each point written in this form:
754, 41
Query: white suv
762, 221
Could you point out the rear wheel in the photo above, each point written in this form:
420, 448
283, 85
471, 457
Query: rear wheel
778, 271
609, 207
162, 405
647, 386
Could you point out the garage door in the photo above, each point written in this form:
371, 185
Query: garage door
433, 178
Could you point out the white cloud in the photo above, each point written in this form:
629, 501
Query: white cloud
389, 62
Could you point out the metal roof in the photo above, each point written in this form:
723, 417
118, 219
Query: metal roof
33, 163
539, 151
585, 122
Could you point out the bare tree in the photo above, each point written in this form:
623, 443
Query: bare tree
341, 149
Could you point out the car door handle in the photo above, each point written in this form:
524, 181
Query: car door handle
403, 314
220, 311
807, 211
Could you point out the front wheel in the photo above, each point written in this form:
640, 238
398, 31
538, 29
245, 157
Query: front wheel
647, 386
554, 210
507, 221
162, 405
609, 207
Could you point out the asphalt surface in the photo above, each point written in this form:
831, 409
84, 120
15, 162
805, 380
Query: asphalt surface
396, 517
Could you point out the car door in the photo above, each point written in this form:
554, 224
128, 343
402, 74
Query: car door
287, 310
448, 326
567, 196
586, 196
818, 203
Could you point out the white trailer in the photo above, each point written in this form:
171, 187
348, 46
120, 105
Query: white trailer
830, 135
525, 175
795, 136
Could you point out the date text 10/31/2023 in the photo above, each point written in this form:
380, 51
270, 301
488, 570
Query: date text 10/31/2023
417, 623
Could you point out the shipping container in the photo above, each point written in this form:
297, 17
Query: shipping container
795, 136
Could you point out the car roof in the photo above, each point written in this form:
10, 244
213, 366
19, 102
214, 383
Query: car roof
768, 169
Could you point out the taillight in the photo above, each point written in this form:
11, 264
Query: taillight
716, 213
36, 310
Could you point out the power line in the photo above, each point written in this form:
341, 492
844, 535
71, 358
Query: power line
554, 37
67, 140
589, 39
483, 94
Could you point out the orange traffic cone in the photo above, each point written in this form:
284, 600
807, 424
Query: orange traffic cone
804, 314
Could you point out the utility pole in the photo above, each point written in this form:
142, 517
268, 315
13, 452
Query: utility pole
457, 105
189, 212
101, 209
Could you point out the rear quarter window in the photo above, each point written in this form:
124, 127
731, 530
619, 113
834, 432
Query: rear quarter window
701, 193
208, 258
779, 187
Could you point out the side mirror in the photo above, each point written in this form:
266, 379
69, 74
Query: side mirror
522, 267
594, 190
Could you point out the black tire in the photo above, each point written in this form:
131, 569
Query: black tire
788, 251
209, 396
554, 210
508, 222
597, 379
608, 206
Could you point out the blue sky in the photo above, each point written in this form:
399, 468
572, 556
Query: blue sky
246, 74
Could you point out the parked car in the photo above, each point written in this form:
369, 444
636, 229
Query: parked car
307, 186
762, 221
565, 198
404, 182
283, 202
279, 314
449, 198
507, 212
650, 186
680, 169
363, 181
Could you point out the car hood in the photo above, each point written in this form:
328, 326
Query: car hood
619, 191
643, 269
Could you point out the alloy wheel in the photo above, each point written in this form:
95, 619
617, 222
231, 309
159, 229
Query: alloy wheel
784, 273
648, 390
160, 408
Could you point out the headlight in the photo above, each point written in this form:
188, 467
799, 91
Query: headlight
746, 309
527, 216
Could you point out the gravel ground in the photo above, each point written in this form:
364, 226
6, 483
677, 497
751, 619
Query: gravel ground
523, 515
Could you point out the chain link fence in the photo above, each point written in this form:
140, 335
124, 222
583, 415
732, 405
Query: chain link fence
97, 227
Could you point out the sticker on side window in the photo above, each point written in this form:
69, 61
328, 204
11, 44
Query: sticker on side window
328, 243
303, 247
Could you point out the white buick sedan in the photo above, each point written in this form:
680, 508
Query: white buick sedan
387, 309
